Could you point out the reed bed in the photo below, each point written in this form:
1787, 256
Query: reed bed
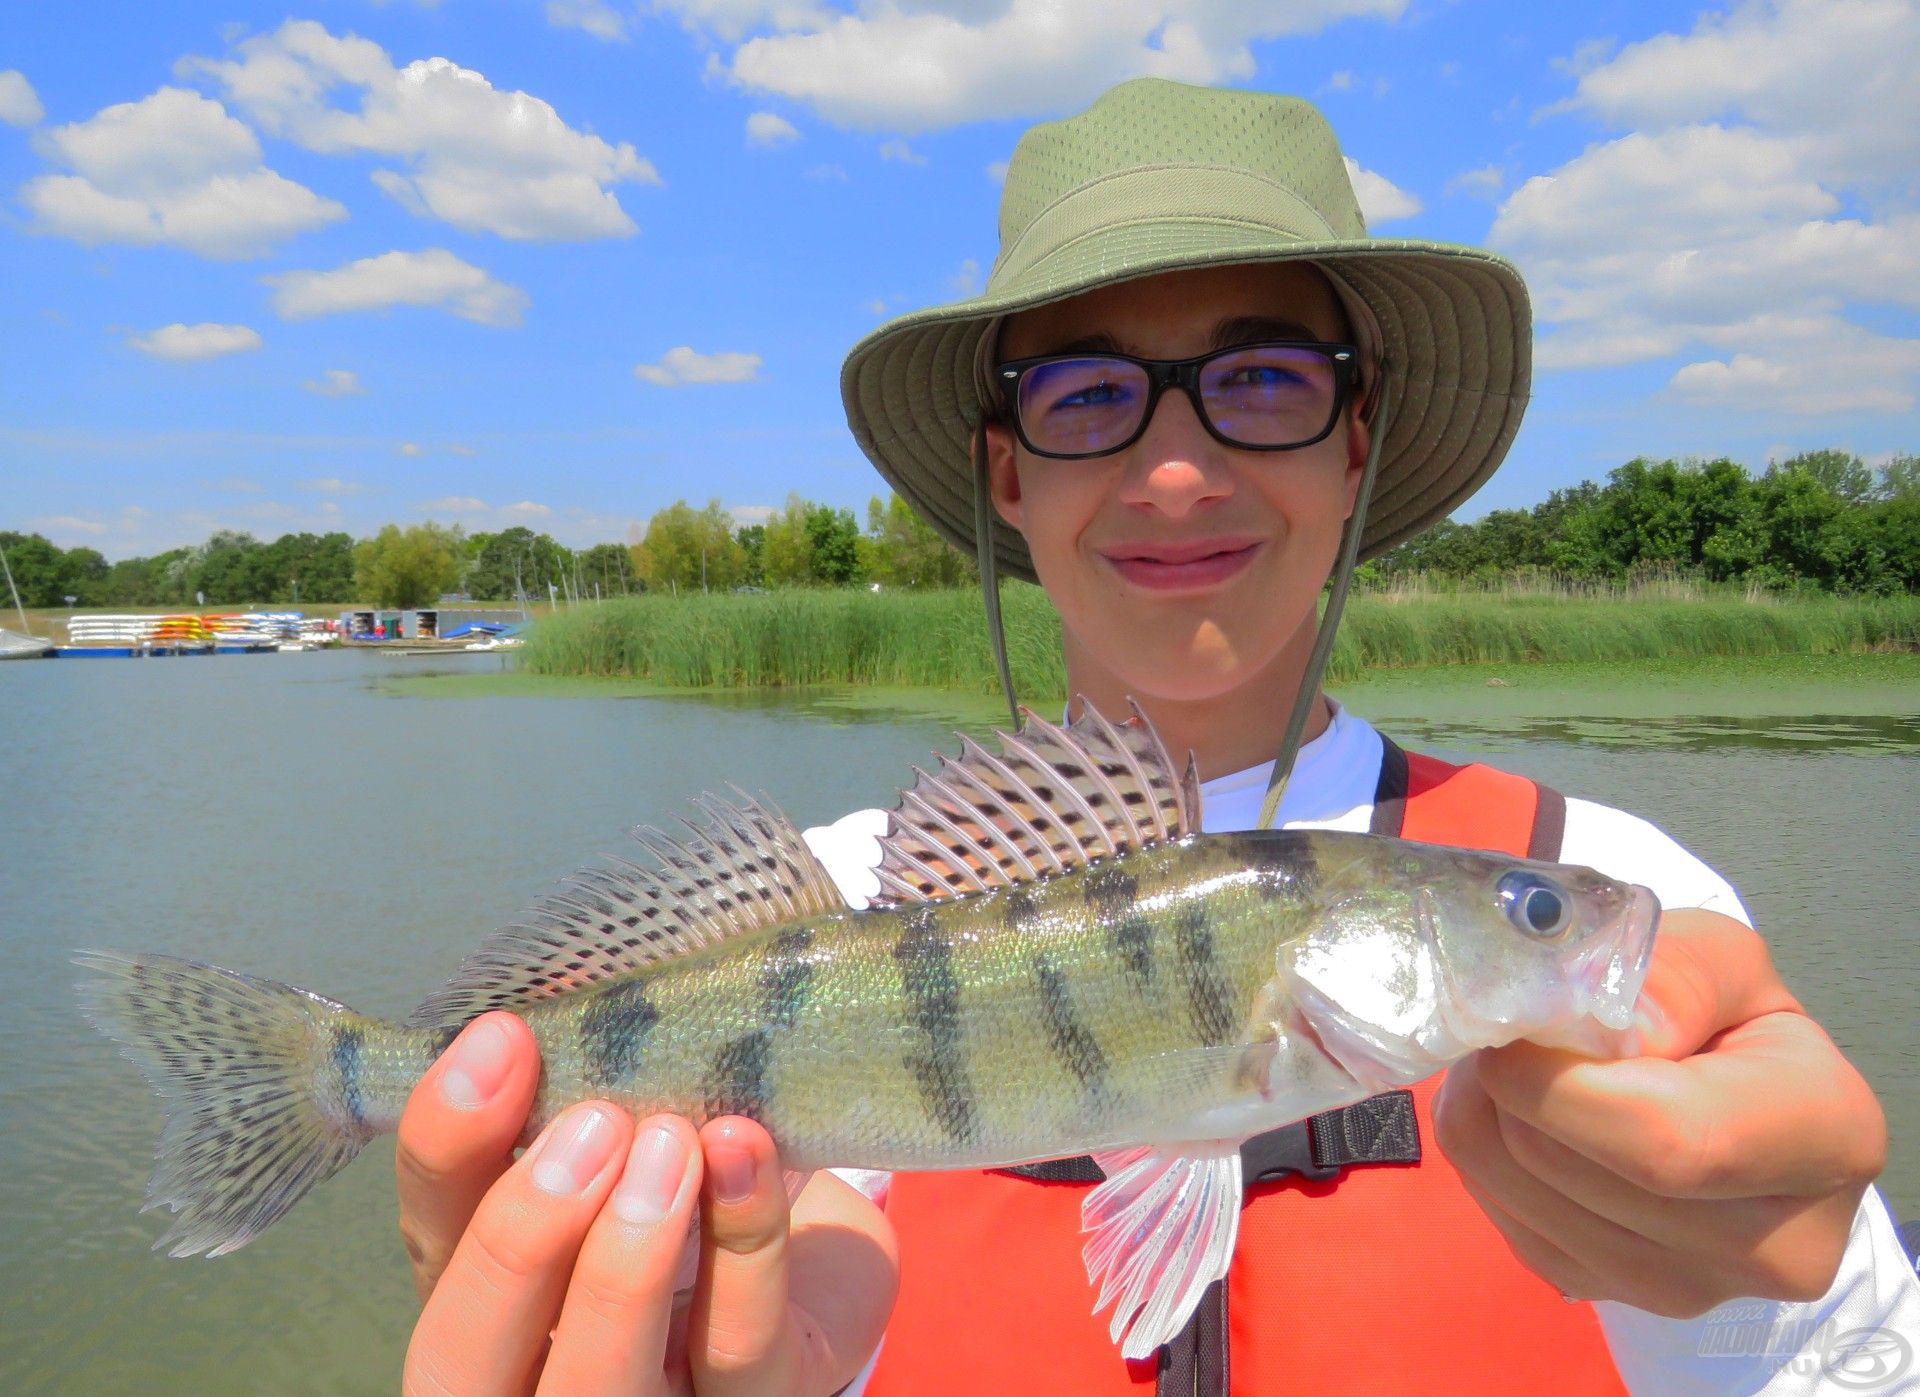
939, 639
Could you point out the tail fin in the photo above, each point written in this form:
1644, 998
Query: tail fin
242, 1065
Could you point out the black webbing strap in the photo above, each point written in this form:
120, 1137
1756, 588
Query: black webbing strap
1380, 1130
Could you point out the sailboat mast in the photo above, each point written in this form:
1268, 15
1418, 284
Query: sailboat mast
16, 592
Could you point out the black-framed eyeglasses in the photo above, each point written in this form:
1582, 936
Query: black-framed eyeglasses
1259, 397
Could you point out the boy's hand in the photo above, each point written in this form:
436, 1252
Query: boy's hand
1724, 1154
556, 1273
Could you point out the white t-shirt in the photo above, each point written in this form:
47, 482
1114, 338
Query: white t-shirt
1333, 784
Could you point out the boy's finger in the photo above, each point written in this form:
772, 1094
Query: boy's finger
486, 1324
612, 1336
457, 1136
738, 1337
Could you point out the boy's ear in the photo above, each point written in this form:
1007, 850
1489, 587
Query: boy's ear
1359, 440
1003, 477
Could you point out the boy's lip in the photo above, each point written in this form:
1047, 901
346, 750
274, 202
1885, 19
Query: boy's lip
1183, 564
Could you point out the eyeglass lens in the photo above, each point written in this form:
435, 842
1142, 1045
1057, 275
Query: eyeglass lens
1262, 395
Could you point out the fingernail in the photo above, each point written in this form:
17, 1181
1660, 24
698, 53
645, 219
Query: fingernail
732, 1168
477, 1066
655, 1166
577, 1148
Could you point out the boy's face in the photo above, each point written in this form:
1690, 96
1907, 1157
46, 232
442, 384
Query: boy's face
1182, 568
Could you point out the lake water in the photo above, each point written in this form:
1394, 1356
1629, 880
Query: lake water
296, 816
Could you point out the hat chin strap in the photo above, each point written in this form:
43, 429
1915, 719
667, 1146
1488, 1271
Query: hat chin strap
1309, 690
989, 573
1316, 669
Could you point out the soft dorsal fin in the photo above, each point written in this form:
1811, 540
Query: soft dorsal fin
745, 869
1050, 800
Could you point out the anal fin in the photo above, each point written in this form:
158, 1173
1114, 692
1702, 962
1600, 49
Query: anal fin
1162, 1229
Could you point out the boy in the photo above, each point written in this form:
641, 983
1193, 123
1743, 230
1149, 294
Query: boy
1192, 391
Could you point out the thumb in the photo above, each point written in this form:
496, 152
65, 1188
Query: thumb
738, 1339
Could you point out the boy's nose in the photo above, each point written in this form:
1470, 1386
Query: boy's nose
1176, 464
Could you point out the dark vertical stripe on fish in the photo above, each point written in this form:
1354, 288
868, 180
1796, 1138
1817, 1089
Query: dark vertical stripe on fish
614, 1029
1113, 896
788, 976
347, 1043
1131, 937
933, 1006
737, 1079
1072, 1041
1111, 892
1209, 996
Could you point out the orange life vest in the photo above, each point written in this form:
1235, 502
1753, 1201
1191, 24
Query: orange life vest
1383, 1279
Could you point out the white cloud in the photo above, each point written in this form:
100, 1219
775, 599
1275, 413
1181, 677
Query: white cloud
335, 383
752, 513
1341, 81
1484, 182
482, 159
434, 277
1764, 199
69, 524
966, 281
685, 365
997, 171
189, 342
173, 168
596, 17
901, 153
1381, 200
19, 103
412, 448
916, 65
1830, 367
455, 504
527, 509
770, 129
330, 485
1836, 75
828, 174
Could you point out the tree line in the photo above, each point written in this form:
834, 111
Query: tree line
681, 549
1822, 520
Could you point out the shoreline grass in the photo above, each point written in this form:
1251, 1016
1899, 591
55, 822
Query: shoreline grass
939, 639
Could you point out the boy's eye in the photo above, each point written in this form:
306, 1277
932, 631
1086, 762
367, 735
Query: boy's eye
1093, 395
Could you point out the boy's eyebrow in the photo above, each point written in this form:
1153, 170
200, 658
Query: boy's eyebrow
1243, 329
1247, 329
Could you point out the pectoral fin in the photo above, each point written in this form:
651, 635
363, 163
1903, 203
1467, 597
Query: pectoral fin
1162, 1230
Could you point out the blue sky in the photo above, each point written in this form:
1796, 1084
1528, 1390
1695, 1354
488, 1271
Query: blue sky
559, 264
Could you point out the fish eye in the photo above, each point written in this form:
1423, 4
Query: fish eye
1536, 905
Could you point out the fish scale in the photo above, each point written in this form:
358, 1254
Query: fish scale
1057, 965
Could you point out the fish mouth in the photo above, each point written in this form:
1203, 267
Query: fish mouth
1614, 977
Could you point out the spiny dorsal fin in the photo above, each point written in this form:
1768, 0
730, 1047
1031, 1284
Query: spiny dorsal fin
1051, 800
745, 869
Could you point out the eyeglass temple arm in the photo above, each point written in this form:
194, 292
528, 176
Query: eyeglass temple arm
1309, 691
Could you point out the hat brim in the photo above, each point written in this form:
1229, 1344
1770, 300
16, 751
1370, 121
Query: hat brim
1456, 335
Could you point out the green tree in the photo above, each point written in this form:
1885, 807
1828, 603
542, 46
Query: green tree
1900, 479
1844, 474
607, 568
39, 568
690, 550
786, 557
902, 550
514, 557
752, 539
833, 546
408, 567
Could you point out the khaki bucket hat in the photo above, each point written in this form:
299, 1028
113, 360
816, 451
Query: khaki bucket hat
1158, 176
